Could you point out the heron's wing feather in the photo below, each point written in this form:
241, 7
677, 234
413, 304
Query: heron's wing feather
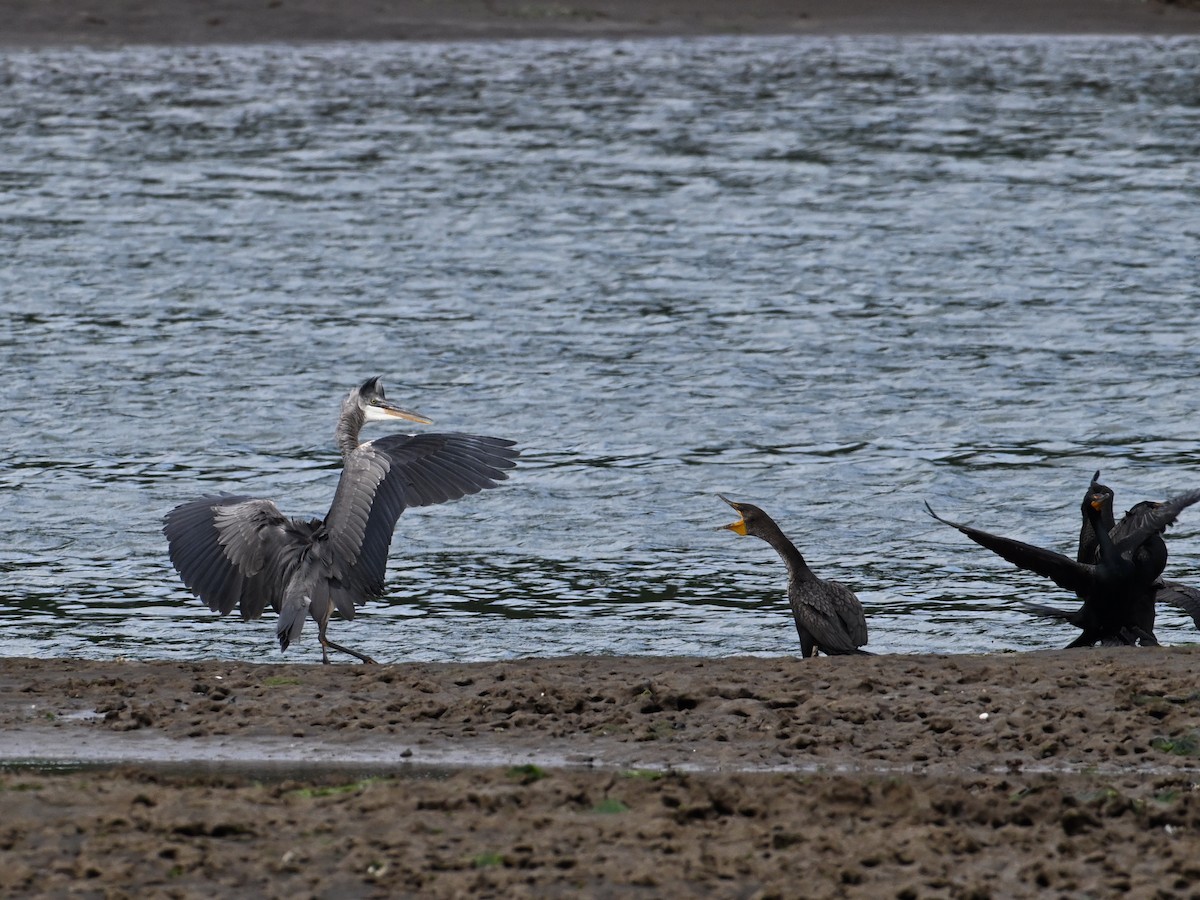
228, 551
436, 468
1133, 530
382, 478
1062, 570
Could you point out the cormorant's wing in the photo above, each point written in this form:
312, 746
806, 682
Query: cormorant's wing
1181, 596
833, 615
1062, 570
851, 615
381, 478
1147, 519
1052, 612
228, 551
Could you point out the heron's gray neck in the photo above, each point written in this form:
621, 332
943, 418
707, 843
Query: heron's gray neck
350, 423
797, 567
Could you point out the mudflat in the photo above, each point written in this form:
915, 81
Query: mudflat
1006, 775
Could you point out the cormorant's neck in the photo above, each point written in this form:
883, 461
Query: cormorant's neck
1094, 521
350, 423
797, 567
1108, 551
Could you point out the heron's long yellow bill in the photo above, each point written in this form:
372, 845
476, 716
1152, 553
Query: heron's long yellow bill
411, 416
392, 411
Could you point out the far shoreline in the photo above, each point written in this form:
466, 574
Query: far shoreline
117, 23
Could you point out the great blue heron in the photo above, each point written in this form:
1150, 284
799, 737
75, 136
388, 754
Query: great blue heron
828, 616
1119, 585
240, 551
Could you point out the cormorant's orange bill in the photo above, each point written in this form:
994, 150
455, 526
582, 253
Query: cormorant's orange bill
738, 527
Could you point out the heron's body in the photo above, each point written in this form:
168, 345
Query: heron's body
1119, 584
237, 551
828, 616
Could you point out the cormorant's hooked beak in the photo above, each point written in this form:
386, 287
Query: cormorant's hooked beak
738, 527
383, 410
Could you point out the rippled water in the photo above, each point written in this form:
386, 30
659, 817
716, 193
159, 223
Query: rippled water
833, 277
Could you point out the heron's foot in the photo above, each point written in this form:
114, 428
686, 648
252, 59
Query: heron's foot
331, 645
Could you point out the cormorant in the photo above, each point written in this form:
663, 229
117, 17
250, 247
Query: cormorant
1151, 556
1118, 589
828, 616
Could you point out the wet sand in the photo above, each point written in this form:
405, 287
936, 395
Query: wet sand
1004, 775
116, 22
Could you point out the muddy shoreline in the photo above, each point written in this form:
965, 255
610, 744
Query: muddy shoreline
1005, 775
943, 714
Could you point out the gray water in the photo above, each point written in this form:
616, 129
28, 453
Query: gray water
832, 277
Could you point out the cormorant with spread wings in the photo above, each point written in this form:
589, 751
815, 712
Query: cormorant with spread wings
1119, 586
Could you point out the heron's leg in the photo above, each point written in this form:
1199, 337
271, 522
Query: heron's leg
328, 643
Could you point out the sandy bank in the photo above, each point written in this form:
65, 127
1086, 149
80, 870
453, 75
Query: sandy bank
1011, 775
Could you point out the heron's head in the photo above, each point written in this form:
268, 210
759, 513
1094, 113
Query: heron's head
751, 518
377, 408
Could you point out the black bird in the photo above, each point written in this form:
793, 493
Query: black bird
828, 616
1097, 493
1151, 556
240, 551
1119, 588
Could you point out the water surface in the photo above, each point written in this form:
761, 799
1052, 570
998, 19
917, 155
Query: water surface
832, 277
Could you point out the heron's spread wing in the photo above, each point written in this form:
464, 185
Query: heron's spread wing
228, 551
383, 477
1062, 570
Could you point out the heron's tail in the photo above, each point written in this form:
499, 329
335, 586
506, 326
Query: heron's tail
291, 619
